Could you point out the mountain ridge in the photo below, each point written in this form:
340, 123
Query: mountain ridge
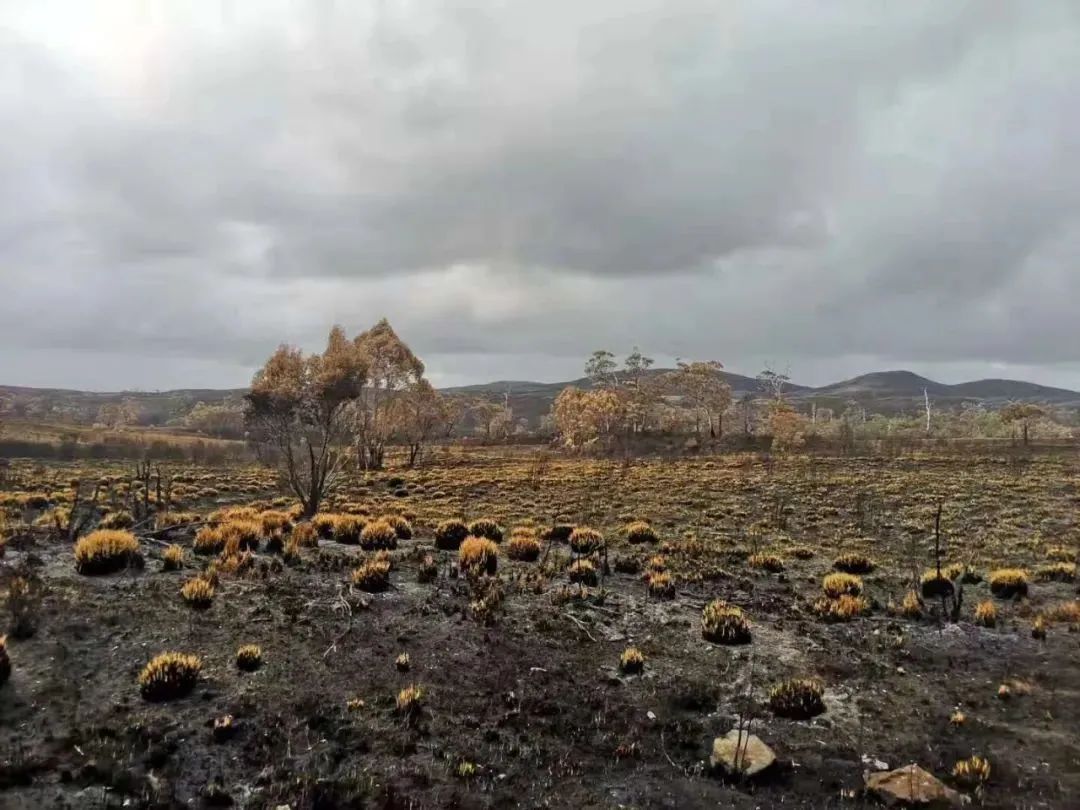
889, 391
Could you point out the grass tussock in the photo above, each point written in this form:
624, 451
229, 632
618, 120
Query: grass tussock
1007, 583
249, 657
373, 576
478, 555
837, 585
169, 675
722, 623
798, 699
105, 552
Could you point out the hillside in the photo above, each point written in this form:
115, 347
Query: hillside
883, 392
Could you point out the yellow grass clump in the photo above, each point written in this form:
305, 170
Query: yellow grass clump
378, 535
972, 772
105, 551
523, 545
986, 613
249, 657
585, 541
169, 675
631, 662
198, 593
1006, 583
843, 608
837, 585
722, 623
854, 563
487, 528
450, 534
798, 699
372, 576
478, 555
639, 532
773, 563
172, 558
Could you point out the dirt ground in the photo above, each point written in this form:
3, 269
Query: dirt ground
535, 700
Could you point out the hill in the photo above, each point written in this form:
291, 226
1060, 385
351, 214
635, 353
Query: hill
880, 392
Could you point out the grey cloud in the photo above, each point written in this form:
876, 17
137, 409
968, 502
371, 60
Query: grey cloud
777, 179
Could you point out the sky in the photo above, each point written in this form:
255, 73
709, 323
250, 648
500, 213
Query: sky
825, 187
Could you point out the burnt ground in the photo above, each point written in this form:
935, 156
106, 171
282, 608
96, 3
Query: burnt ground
535, 700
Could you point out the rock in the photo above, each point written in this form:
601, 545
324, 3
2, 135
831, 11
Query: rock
754, 756
911, 786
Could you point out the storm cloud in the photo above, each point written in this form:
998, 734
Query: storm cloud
834, 186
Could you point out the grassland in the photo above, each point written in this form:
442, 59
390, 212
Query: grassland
426, 681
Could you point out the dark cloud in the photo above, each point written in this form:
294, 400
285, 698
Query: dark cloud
830, 184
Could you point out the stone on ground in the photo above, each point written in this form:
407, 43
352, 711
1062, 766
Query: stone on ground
911, 786
754, 756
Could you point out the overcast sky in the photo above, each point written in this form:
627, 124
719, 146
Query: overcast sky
834, 187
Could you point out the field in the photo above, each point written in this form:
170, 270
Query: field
521, 700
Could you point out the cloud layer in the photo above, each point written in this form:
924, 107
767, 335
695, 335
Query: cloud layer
838, 186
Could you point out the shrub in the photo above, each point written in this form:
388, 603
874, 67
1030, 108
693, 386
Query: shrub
304, 535
172, 558
767, 562
117, 520
934, 585
585, 541
372, 576
450, 534
169, 675
799, 699
105, 551
640, 532
661, 585
488, 528
429, 571
1006, 583
722, 623
986, 614
837, 585
348, 528
401, 526
843, 608
198, 593
5, 661
582, 572
378, 535
631, 662
478, 555
249, 658
1057, 572
854, 563
971, 773
402, 663
410, 702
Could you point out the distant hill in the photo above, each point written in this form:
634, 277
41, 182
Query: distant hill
879, 392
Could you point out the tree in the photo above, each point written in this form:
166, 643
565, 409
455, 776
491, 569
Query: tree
584, 417
419, 415
1023, 412
600, 369
641, 393
773, 382
392, 369
224, 421
786, 426
300, 406
701, 385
